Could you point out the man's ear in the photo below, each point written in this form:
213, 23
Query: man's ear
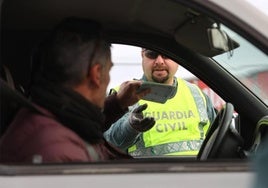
94, 75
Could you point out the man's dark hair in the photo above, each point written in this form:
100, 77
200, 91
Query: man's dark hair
72, 48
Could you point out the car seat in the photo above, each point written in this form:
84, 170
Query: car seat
9, 104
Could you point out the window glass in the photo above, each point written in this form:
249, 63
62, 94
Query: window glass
248, 64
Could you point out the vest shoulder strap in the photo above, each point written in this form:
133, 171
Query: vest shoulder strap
200, 101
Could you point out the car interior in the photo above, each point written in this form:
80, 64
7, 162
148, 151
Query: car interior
182, 32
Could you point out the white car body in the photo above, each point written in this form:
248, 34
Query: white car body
190, 175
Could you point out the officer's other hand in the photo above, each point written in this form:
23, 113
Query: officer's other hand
138, 121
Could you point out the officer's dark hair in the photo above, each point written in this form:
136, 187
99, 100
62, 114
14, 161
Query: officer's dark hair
71, 49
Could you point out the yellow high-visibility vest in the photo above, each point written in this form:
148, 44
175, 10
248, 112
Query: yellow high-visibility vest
181, 124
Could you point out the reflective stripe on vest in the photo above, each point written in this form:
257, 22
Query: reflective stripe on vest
177, 124
200, 102
175, 148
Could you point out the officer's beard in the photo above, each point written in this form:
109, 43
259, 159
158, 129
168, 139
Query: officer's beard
161, 80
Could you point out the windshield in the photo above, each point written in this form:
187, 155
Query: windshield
248, 64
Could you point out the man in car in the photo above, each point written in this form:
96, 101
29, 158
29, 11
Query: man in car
181, 123
68, 95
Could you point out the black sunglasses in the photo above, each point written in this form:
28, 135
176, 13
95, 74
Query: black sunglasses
153, 55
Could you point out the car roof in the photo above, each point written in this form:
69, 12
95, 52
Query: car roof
132, 17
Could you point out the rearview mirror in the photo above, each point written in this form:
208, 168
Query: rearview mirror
220, 41
203, 35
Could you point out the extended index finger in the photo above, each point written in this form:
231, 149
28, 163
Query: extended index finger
140, 108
